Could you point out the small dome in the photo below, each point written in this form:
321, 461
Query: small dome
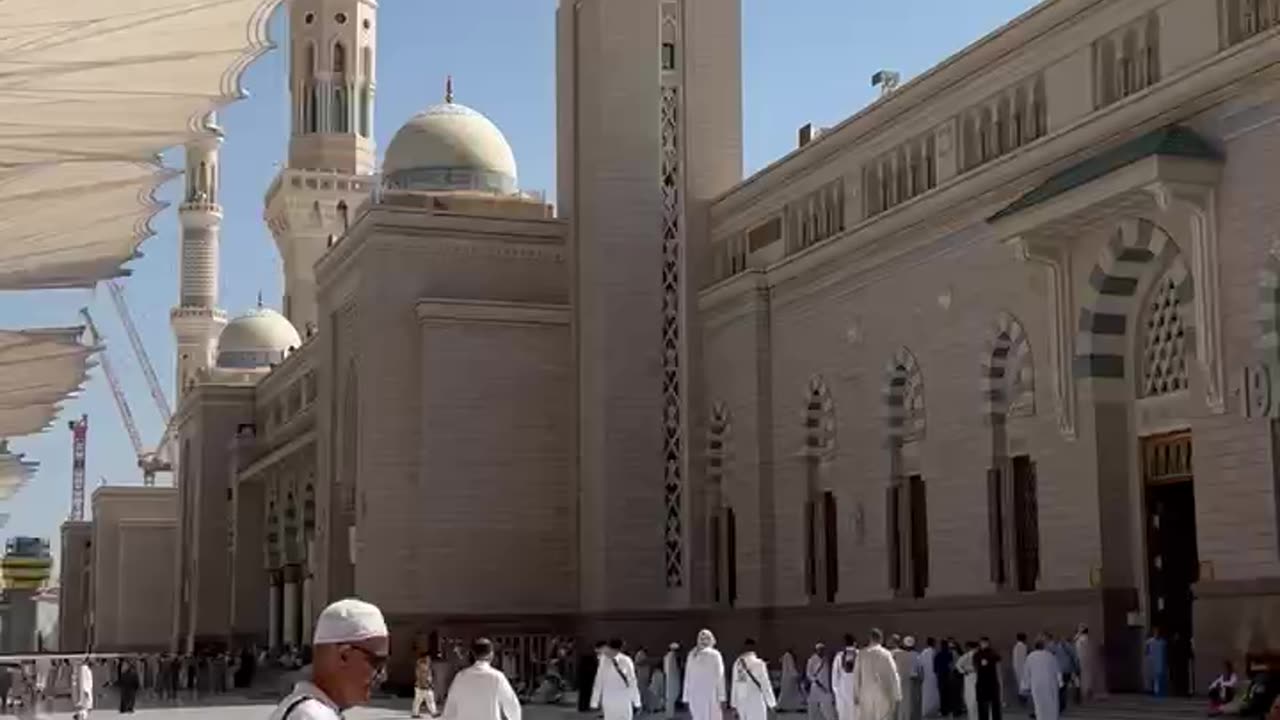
450, 147
259, 338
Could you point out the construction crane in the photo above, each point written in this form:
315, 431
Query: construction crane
163, 450
150, 462
140, 351
79, 435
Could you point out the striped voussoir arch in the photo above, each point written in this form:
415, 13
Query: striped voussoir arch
819, 419
1005, 353
1137, 247
904, 397
1269, 310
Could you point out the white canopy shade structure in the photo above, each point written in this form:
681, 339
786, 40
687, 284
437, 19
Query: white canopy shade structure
38, 370
91, 91
14, 473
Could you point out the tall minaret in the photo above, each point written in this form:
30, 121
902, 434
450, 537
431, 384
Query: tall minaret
331, 153
197, 321
665, 76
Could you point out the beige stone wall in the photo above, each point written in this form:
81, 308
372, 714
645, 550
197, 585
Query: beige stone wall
74, 585
372, 281
932, 276
611, 84
1236, 520
494, 499
134, 529
207, 420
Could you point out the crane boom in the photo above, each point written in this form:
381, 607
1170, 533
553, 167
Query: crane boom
140, 350
126, 415
79, 437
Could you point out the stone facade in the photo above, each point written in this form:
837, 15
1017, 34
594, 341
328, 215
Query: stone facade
1063, 274
208, 422
134, 533
992, 355
74, 578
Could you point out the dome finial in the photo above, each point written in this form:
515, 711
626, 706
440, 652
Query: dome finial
448, 89
259, 298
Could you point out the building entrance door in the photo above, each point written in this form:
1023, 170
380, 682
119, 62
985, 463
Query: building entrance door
1173, 563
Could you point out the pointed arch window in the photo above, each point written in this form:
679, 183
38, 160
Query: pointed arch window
339, 122
339, 58
312, 110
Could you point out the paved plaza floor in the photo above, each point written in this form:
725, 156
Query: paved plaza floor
230, 708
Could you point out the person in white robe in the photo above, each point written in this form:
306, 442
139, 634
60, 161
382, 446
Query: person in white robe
969, 673
930, 699
481, 692
908, 664
616, 689
1018, 661
752, 695
817, 674
842, 671
83, 690
1041, 680
1084, 655
704, 685
791, 697
876, 686
673, 678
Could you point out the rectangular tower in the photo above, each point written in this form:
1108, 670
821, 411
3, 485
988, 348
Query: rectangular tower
332, 46
649, 131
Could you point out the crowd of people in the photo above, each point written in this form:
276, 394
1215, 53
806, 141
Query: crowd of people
159, 678
878, 679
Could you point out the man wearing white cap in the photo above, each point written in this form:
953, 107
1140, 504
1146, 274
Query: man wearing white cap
349, 654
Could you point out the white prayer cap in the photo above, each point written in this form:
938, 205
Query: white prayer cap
706, 638
349, 621
908, 642
674, 646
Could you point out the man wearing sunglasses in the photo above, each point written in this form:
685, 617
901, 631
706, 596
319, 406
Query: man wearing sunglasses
349, 655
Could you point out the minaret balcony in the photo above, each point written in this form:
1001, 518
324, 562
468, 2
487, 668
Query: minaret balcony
197, 322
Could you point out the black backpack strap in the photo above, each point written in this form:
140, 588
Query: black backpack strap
293, 705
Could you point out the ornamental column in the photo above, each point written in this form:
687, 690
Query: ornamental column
291, 600
273, 610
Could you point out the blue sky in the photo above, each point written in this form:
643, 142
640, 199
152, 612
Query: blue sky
804, 61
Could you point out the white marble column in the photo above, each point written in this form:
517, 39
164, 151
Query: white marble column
273, 611
291, 606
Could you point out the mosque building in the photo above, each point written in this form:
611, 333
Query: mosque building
994, 354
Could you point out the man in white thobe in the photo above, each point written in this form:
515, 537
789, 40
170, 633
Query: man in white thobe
1017, 662
875, 681
1084, 655
672, 679
704, 686
930, 698
752, 693
83, 690
616, 690
908, 664
842, 671
1041, 680
481, 692
818, 676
